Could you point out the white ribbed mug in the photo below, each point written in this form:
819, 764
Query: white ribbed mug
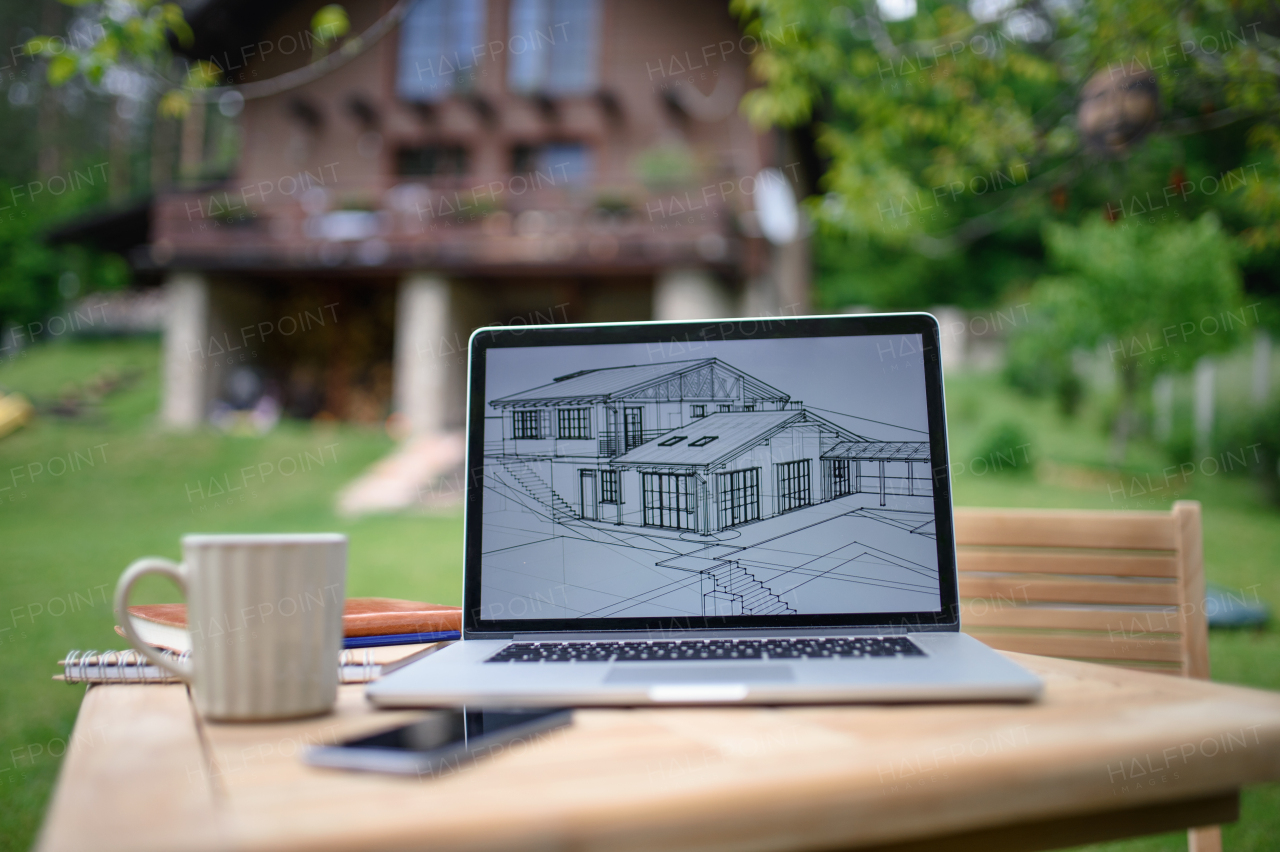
265, 616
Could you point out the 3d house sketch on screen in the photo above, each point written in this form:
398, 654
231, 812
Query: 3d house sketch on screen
693, 488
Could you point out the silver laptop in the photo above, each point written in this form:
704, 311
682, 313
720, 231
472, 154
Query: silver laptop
751, 511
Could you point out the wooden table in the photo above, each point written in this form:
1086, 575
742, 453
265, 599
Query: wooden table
1108, 753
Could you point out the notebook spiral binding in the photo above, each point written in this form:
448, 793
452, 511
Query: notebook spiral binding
368, 669
127, 666
130, 666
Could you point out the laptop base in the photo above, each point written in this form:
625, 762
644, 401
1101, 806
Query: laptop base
954, 667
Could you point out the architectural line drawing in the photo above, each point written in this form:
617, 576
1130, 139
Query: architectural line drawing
695, 488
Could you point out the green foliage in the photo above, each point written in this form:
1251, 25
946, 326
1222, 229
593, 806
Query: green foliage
137, 33
29, 272
132, 30
1248, 441
1007, 449
851, 270
1038, 360
945, 110
30, 268
330, 23
949, 141
1159, 297
125, 32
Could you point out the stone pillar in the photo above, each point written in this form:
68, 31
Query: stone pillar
689, 294
421, 373
186, 334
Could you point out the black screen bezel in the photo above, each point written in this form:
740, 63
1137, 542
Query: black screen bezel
690, 335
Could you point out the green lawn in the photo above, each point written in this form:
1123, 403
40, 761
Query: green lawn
67, 530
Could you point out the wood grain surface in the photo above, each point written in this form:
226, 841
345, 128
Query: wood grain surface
1105, 745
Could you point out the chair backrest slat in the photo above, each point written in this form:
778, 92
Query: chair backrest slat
1138, 621
1011, 589
1070, 528
1022, 560
1099, 647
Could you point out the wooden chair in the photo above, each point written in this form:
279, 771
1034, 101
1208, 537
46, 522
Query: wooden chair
1120, 588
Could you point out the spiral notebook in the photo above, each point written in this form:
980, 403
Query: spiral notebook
354, 666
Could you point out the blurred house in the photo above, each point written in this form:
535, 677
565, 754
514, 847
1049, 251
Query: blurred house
479, 162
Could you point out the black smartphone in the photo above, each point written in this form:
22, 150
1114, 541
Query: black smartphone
442, 741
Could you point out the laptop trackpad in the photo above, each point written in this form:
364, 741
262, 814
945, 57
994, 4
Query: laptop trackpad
665, 673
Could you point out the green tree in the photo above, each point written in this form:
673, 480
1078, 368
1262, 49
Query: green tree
140, 34
137, 36
35, 277
951, 132
959, 120
973, 147
1157, 299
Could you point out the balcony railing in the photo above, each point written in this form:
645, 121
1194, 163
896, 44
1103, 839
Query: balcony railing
616, 443
449, 223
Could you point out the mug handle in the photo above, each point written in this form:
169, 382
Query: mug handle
151, 565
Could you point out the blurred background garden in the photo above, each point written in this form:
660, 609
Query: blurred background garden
1086, 193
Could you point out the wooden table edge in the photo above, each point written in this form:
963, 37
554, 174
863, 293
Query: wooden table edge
1171, 814
1070, 831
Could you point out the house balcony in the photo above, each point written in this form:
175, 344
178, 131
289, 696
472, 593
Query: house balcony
615, 443
482, 225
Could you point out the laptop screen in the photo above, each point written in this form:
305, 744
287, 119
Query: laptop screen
713, 481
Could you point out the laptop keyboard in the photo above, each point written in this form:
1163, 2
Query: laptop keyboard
707, 649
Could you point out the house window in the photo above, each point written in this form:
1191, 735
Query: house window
722, 407
670, 500
610, 486
704, 440
438, 44
573, 423
553, 46
739, 497
698, 410
432, 161
672, 441
526, 424
793, 485
553, 164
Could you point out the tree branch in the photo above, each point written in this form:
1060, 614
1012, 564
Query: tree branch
315, 70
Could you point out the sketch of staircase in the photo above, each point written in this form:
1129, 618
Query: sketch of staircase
552, 507
727, 587
745, 594
537, 488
